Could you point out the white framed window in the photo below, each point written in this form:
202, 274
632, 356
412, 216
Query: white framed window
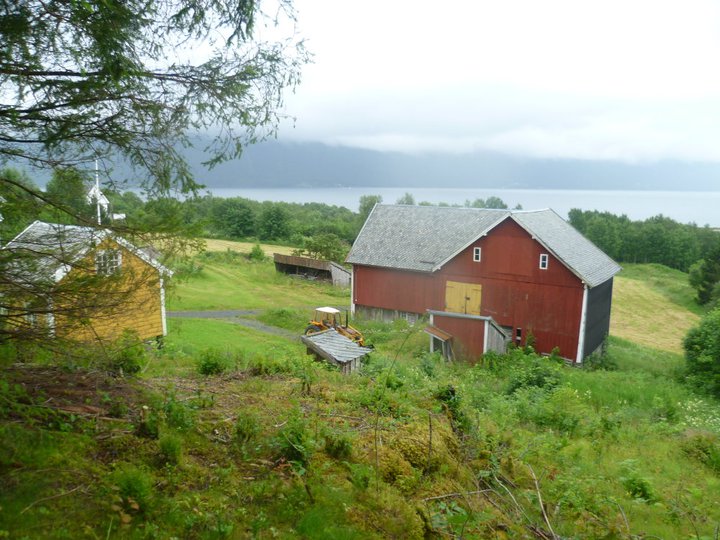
477, 254
544, 260
108, 261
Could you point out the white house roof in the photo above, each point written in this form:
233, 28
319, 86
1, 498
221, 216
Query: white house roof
424, 238
47, 251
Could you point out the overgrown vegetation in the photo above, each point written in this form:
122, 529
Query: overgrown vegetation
275, 445
702, 350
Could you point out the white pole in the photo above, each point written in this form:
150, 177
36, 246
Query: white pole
97, 192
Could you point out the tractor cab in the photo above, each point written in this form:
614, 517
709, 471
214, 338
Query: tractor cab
326, 317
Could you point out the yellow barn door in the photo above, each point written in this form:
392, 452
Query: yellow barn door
463, 297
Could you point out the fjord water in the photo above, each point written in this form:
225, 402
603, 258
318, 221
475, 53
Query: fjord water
700, 207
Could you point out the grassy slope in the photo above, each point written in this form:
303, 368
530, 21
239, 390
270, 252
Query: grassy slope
212, 244
586, 440
653, 306
250, 286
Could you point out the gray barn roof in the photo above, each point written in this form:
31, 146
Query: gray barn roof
424, 238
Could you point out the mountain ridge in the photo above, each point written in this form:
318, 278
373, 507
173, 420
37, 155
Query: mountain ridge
303, 164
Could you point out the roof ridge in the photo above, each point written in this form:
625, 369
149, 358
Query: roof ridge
448, 207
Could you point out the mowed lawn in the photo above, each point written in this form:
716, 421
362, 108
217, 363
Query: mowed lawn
212, 244
652, 306
250, 285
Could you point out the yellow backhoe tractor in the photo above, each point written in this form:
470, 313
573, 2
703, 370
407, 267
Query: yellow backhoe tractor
325, 318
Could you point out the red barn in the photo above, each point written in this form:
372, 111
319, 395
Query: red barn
485, 277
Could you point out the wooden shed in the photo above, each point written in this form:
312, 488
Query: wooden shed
336, 349
85, 284
312, 268
528, 272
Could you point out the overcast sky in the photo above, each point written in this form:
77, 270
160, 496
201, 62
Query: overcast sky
629, 80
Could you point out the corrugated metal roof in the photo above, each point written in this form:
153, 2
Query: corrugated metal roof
47, 251
423, 238
336, 345
434, 331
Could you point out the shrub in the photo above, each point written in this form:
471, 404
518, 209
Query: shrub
213, 362
177, 414
429, 363
257, 254
360, 475
535, 372
562, 409
702, 353
261, 365
247, 427
148, 425
450, 399
704, 447
294, 442
127, 355
186, 268
338, 445
600, 360
170, 449
636, 485
134, 486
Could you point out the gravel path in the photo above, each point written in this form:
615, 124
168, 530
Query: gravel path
220, 314
237, 316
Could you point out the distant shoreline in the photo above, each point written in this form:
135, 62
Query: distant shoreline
700, 207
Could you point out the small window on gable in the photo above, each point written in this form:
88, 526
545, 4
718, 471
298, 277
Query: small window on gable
544, 259
477, 254
108, 261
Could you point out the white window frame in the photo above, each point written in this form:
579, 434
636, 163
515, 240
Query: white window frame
544, 261
477, 254
108, 261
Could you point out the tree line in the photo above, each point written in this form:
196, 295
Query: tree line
328, 231
317, 229
658, 239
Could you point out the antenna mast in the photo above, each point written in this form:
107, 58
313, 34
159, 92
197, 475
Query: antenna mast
97, 192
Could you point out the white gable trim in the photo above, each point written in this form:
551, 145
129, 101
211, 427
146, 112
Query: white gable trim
9, 244
352, 291
162, 307
583, 323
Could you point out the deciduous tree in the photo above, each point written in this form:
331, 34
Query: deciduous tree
367, 203
702, 352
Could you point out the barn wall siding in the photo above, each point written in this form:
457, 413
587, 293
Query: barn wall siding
509, 253
389, 289
468, 335
597, 322
515, 291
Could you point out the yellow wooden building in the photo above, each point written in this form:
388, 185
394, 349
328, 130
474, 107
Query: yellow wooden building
84, 284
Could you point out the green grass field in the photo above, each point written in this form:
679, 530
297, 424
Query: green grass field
241, 284
275, 445
653, 306
213, 244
